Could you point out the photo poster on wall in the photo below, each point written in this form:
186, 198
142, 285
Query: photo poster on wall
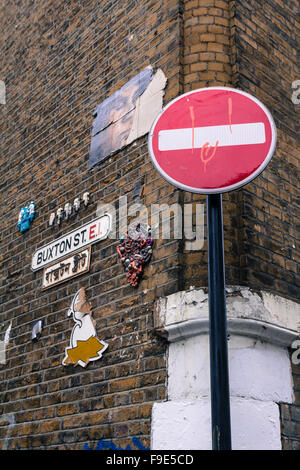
114, 117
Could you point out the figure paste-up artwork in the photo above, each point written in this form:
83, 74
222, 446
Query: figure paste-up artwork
135, 251
37, 330
84, 344
26, 216
127, 114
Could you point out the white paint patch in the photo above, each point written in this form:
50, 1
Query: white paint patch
265, 316
237, 134
261, 371
181, 425
2, 353
256, 370
188, 368
4, 344
186, 425
182, 306
282, 310
255, 425
148, 106
2, 92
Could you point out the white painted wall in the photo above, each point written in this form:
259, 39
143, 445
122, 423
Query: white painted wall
259, 369
185, 425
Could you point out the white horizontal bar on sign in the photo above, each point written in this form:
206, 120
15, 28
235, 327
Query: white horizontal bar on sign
236, 134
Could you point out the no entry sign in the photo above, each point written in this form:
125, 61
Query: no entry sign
212, 140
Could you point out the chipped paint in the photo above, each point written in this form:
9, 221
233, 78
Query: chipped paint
261, 327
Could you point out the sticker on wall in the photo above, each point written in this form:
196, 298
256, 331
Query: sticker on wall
127, 114
68, 210
26, 216
37, 330
84, 344
68, 268
135, 251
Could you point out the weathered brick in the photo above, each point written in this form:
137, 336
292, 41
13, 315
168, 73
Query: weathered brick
49, 426
61, 76
66, 409
123, 384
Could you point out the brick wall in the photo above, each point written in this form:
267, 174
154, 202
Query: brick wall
59, 61
209, 60
252, 46
266, 39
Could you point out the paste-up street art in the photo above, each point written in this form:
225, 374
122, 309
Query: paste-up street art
127, 114
26, 216
68, 268
84, 344
135, 251
37, 330
69, 210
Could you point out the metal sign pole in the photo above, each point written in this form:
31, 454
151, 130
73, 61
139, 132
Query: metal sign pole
219, 377
191, 121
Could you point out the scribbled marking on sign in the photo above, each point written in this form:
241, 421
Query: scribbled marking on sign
205, 151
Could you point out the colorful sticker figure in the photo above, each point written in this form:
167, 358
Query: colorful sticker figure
84, 344
26, 216
135, 251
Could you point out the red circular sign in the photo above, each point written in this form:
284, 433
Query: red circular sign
212, 140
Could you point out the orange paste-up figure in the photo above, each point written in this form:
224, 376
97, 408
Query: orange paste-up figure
84, 344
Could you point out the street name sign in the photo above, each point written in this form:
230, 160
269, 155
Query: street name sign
94, 231
67, 268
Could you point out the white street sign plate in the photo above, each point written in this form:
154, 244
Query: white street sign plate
96, 230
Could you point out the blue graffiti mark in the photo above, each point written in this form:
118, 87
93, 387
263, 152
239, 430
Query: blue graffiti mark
139, 444
111, 446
